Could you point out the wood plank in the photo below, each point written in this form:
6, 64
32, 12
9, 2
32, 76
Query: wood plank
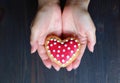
17, 65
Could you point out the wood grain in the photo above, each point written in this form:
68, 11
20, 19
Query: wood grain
17, 65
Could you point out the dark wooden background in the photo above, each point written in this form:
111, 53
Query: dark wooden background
17, 65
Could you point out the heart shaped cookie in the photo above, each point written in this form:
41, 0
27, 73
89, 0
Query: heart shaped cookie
62, 52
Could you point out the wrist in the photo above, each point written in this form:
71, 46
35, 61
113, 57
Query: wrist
82, 4
42, 3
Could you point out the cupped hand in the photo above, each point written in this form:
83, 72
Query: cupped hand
77, 21
47, 21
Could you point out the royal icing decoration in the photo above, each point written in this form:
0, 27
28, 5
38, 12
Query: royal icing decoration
62, 52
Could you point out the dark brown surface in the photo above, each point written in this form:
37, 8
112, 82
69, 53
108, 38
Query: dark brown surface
17, 65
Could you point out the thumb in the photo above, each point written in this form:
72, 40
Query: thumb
91, 41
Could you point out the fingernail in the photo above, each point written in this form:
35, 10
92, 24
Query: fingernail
33, 50
92, 49
75, 67
57, 69
69, 69
49, 67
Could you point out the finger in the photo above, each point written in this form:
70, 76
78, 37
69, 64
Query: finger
41, 40
43, 55
56, 67
58, 27
82, 50
47, 63
33, 39
69, 67
42, 52
83, 40
68, 26
91, 41
58, 32
34, 47
36, 30
76, 63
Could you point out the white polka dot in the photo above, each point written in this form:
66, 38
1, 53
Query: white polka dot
75, 46
77, 49
68, 56
78, 44
58, 41
47, 47
76, 40
55, 59
68, 48
53, 50
71, 39
63, 65
70, 59
51, 55
58, 55
66, 40
58, 61
62, 55
65, 45
59, 46
67, 62
72, 51
63, 60
62, 42
58, 51
51, 39
55, 40
71, 42
63, 50
73, 54
55, 43
48, 50
48, 42
51, 45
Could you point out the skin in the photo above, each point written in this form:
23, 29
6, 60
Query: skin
78, 21
47, 21
74, 19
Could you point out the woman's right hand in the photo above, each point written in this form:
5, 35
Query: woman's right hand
77, 21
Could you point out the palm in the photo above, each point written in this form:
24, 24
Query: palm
47, 21
79, 23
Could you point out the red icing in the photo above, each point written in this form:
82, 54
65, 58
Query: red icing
63, 52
